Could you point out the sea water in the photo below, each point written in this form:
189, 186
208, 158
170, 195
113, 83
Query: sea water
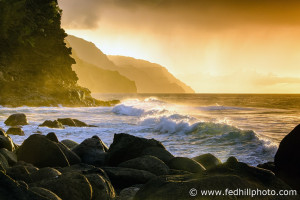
248, 127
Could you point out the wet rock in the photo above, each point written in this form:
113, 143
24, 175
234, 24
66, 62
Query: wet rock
126, 147
158, 152
3, 162
185, 164
42, 152
128, 193
52, 136
52, 124
11, 157
2, 132
19, 173
147, 163
15, 131
44, 173
72, 157
287, 159
16, 119
268, 165
208, 160
92, 151
69, 143
70, 186
45, 193
73, 122
101, 187
7, 143
124, 177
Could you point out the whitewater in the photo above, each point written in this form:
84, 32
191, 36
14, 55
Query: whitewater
251, 134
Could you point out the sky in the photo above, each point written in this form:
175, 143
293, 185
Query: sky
214, 46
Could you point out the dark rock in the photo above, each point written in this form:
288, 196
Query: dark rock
29, 167
287, 159
15, 131
12, 190
16, 119
7, 143
227, 176
45, 193
208, 160
147, 163
52, 124
158, 152
2, 132
128, 193
232, 159
41, 152
52, 136
11, 157
69, 143
3, 162
23, 184
80, 123
44, 173
126, 147
269, 166
72, 157
124, 177
70, 186
19, 173
92, 151
101, 187
73, 122
185, 164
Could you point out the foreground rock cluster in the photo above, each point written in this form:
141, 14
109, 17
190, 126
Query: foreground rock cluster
132, 168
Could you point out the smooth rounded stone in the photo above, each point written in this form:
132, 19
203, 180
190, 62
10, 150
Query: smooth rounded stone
91, 151
147, 163
126, 147
45, 193
232, 160
69, 186
44, 173
16, 119
72, 157
2, 132
125, 177
15, 131
185, 164
221, 177
52, 136
28, 166
3, 162
208, 160
101, 187
67, 121
11, 157
52, 124
12, 190
287, 159
69, 143
268, 165
128, 193
158, 152
23, 184
41, 152
7, 143
19, 173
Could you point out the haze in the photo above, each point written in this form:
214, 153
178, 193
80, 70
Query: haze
215, 46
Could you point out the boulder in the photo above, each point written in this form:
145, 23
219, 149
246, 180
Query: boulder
69, 143
101, 187
42, 152
126, 147
128, 193
224, 177
69, 186
269, 166
12, 190
124, 177
2, 132
72, 157
19, 173
44, 173
3, 162
208, 160
92, 151
52, 124
45, 193
287, 159
52, 136
16, 119
185, 164
73, 122
11, 157
7, 143
147, 163
15, 131
158, 152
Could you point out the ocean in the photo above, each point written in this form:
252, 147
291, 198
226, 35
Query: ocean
247, 126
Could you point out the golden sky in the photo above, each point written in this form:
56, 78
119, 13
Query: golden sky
222, 46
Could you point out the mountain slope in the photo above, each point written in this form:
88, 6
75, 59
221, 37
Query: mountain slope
149, 77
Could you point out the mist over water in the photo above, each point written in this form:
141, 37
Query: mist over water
249, 127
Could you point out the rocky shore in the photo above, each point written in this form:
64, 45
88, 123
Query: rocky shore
132, 168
